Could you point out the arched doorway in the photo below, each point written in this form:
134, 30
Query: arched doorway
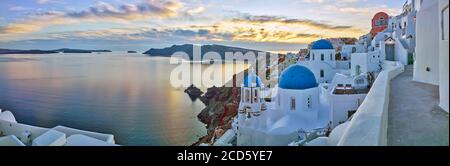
390, 49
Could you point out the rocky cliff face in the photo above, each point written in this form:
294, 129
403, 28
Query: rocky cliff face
221, 106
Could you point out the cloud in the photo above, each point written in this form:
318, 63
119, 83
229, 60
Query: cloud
238, 27
264, 35
47, 1
149, 9
365, 10
352, 7
32, 25
101, 12
197, 10
332, 1
266, 28
281, 20
17, 8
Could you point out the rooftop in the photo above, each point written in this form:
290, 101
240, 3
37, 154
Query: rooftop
414, 117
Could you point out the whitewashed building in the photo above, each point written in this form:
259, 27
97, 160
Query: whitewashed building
432, 56
322, 61
13, 133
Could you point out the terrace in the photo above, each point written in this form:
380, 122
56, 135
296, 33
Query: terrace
414, 117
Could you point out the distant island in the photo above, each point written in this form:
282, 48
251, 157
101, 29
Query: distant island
132, 52
10, 51
62, 50
68, 50
187, 48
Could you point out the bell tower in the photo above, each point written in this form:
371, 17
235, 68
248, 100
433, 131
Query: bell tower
251, 98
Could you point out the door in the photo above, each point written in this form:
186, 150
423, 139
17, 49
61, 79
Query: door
390, 52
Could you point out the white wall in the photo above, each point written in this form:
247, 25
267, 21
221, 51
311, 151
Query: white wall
301, 97
401, 53
328, 55
17, 129
7, 116
444, 55
343, 65
341, 79
427, 43
359, 59
109, 138
376, 40
341, 104
252, 137
316, 66
368, 62
347, 50
375, 59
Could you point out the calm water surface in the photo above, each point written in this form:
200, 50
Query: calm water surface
128, 95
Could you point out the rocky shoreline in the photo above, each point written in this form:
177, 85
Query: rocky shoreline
221, 107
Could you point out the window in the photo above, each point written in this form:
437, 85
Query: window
322, 73
331, 57
247, 95
308, 102
322, 58
292, 103
255, 98
313, 56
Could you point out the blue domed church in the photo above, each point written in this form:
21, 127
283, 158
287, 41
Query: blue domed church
295, 106
322, 61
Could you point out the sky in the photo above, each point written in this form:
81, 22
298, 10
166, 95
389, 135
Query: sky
120, 25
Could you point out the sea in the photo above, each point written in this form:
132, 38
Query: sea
127, 95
